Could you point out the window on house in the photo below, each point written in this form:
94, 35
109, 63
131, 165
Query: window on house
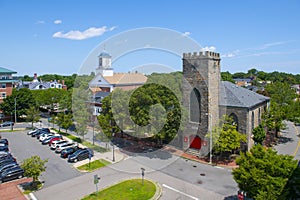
195, 106
3, 95
3, 85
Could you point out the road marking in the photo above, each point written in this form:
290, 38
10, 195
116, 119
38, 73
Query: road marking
32, 196
127, 157
218, 167
187, 195
297, 148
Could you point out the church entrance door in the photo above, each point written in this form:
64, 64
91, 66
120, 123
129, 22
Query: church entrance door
195, 142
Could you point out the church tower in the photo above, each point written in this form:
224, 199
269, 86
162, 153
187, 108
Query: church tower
201, 81
104, 68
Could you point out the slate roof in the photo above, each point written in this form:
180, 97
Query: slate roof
232, 95
6, 71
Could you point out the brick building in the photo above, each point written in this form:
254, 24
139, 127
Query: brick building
7, 83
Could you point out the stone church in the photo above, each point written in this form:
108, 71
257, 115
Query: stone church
207, 99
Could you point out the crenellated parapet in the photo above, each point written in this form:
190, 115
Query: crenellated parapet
201, 55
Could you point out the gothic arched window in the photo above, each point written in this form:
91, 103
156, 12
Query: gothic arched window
235, 120
195, 106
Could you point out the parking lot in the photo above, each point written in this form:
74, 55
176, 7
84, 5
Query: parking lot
23, 146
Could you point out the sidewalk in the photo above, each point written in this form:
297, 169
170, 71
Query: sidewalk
181, 153
105, 156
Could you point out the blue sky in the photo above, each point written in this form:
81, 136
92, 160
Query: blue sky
57, 36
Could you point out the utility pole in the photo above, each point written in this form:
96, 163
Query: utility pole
15, 109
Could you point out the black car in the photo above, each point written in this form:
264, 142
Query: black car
80, 154
39, 131
6, 124
7, 159
68, 151
11, 174
3, 147
7, 166
4, 141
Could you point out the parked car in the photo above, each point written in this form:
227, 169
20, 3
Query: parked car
5, 159
67, 151
11, 174
80, 154
32, 131
38, 135
6, 124
7, 166
55, 143
4, 153
45, 135
63, 146
40, 130
4, 141
3, 147
52, 138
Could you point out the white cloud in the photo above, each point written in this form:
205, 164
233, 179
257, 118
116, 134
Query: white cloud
211, 48
40, 22
58, 21
112, 28
186, 34
82, 35
229, 55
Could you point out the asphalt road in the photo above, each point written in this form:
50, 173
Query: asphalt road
23, 146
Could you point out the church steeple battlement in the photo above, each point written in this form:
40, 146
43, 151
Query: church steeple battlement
201, 54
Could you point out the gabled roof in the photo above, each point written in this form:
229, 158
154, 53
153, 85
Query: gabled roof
6, 71
98, 81
232, 95
126, 78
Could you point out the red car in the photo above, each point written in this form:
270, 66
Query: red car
54, 139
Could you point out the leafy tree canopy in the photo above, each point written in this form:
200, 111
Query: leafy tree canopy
262, 173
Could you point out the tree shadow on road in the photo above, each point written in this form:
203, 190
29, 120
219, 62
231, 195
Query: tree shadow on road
284, 140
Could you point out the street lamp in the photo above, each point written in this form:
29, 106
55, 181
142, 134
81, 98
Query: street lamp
210, 134
11, 121
15, 109
113, 151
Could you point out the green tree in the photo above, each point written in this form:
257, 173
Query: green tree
33, 167
262, 173
23, 101
259, 134
81, 110
227, 76
32, 115
64, 121
225, 137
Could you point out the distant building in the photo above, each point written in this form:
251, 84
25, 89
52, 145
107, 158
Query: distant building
243, 82
36, 84
296, 88
7, 83
106, 80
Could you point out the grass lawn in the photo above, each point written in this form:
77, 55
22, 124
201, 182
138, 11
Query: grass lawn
94, 165
127, 190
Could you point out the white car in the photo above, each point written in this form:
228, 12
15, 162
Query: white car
57, 142
45, 135
32, 131
63, 146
